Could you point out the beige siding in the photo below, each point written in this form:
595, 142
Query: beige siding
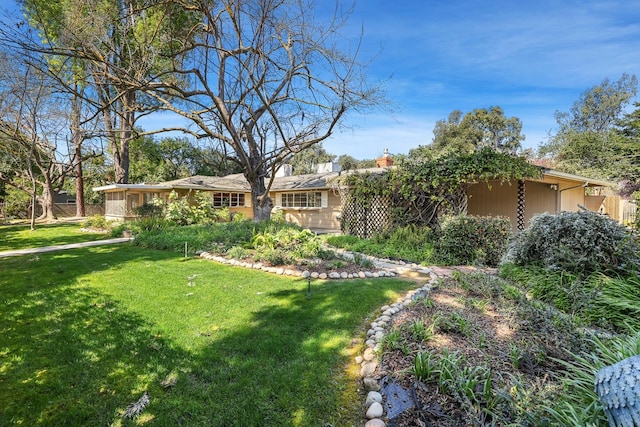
499, 199
317, 218
571, 197
539, 198
493, 200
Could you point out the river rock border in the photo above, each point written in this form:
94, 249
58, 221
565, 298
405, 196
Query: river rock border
305, 274
368, 361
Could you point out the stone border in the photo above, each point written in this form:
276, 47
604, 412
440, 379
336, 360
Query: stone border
305, 274
368, 361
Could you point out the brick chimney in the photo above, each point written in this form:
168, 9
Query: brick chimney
385, 161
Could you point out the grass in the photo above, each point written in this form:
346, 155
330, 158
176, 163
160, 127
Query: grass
21, 237
86, 332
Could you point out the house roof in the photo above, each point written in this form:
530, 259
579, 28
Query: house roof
587, 182
316, 181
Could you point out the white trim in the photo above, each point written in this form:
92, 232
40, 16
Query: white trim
324, 203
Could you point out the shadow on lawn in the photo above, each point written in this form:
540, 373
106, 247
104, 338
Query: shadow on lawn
284, 368
71, 355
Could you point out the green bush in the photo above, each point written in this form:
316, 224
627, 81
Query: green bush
238, 252
218, 238
16, 204
287, 244
577, 242
467, 239
97, 221
154, 208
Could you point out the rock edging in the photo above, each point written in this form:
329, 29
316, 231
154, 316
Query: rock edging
368, 361
305, 274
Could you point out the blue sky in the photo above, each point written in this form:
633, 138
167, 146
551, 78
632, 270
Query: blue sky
532, 58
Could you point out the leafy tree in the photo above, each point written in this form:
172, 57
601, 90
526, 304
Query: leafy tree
478, 129
306, 161
163, 160
348, 162
627, 148
587, 141
111, 47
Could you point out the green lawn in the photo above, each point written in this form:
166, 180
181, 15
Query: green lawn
83, 333
21, 236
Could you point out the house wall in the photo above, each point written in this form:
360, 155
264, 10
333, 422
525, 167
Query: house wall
614, 206
317, 218
501, 199
571, 197
495, 199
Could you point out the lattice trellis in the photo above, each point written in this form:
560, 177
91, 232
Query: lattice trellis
364, 219
521, 206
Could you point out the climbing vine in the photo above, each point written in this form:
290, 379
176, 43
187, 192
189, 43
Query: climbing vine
422, 191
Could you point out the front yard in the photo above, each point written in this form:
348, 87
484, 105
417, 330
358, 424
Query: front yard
86, 332
20, 236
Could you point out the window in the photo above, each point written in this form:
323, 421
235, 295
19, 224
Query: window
310, 199
233, 200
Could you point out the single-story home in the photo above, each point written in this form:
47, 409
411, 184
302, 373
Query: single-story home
312, 201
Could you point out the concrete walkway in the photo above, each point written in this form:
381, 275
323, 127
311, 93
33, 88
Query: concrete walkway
29, 251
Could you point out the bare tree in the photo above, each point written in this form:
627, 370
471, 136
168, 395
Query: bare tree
32, 126
265, 79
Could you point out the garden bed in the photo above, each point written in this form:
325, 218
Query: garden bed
476, 352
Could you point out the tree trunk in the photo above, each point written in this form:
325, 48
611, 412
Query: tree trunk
80, 207
34, 199
47, 202
260, 200
125, 134
77, 138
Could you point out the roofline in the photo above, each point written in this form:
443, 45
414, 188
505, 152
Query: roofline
588, 181
132, 187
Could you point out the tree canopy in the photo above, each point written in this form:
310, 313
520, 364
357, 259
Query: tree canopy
594, 138
478, 129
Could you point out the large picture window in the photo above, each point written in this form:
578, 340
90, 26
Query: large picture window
309, 199
231, 200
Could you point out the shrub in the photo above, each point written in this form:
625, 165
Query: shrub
238, 252
97, 221
153, 208
472, 240
578, 242
293, 242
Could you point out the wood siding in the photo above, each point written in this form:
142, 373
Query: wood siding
501, 199
317, 218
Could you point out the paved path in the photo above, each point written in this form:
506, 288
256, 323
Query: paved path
28, 251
